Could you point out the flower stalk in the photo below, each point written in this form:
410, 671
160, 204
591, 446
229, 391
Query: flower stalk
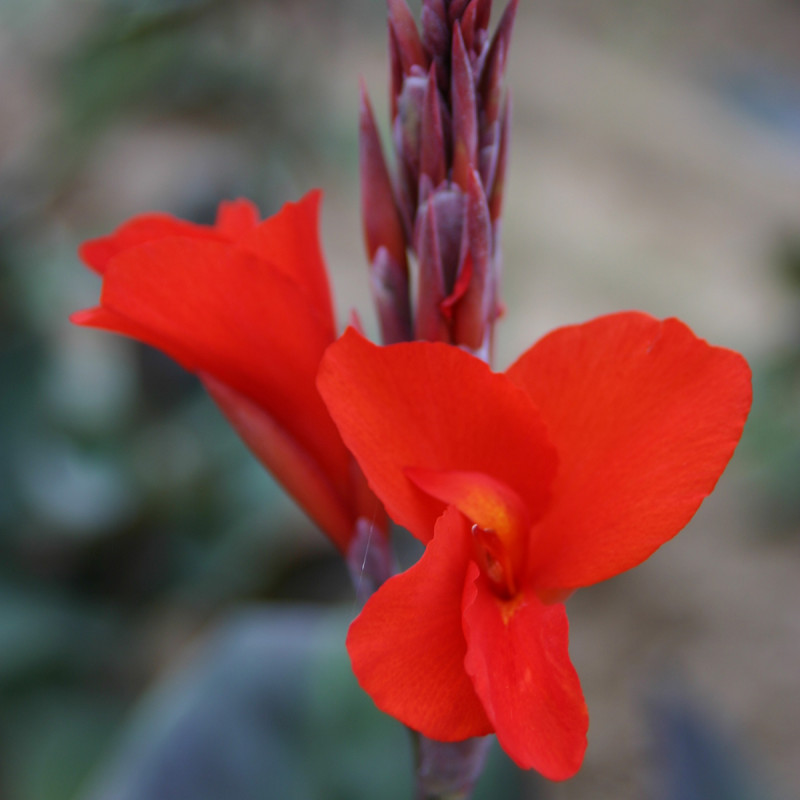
441, 208
448, 770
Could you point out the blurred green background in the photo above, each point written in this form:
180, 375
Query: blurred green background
170, 625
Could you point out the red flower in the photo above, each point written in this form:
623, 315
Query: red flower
592, 450
246, 305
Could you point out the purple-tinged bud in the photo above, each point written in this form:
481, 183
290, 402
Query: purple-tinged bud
475, 310
408, 125
435, 29
449, 209
429, 325
384, 234
491, 78
395, 73
441, 226
433, 153
389, 282
406, 136
456, 10
483, 13
465, 116
488, 153
382, 222
467, 25
498, 179
409, 45
474, 24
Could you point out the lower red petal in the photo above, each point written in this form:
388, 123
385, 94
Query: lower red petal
518, 659
407, 646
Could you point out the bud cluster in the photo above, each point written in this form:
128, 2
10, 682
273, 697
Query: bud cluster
450, 129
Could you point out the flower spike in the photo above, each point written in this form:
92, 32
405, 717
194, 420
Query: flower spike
446, 93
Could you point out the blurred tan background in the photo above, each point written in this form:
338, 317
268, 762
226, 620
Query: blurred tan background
655, 165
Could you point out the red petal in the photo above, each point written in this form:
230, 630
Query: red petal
96, 253
518, 659
433, 406
239, 320
236, 218
289, 463
645, 417
407, 645
501, 519
106, 320
290, 241
480, 498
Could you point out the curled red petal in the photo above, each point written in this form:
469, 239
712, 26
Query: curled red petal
407, 646
518, 659
432, 406
97, 253
289, 240
233, 317
645, 417
292, 466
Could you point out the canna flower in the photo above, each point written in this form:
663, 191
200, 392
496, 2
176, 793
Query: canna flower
245, 305
596, 447
450, 131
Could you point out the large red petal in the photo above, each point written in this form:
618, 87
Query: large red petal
97, 253
241, 321
290, 241
518, 659
432, 406
645, 417
407, 646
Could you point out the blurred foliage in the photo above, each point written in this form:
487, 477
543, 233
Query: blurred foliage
237, 70
175, 58
772, 435
269, 708
695, 759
